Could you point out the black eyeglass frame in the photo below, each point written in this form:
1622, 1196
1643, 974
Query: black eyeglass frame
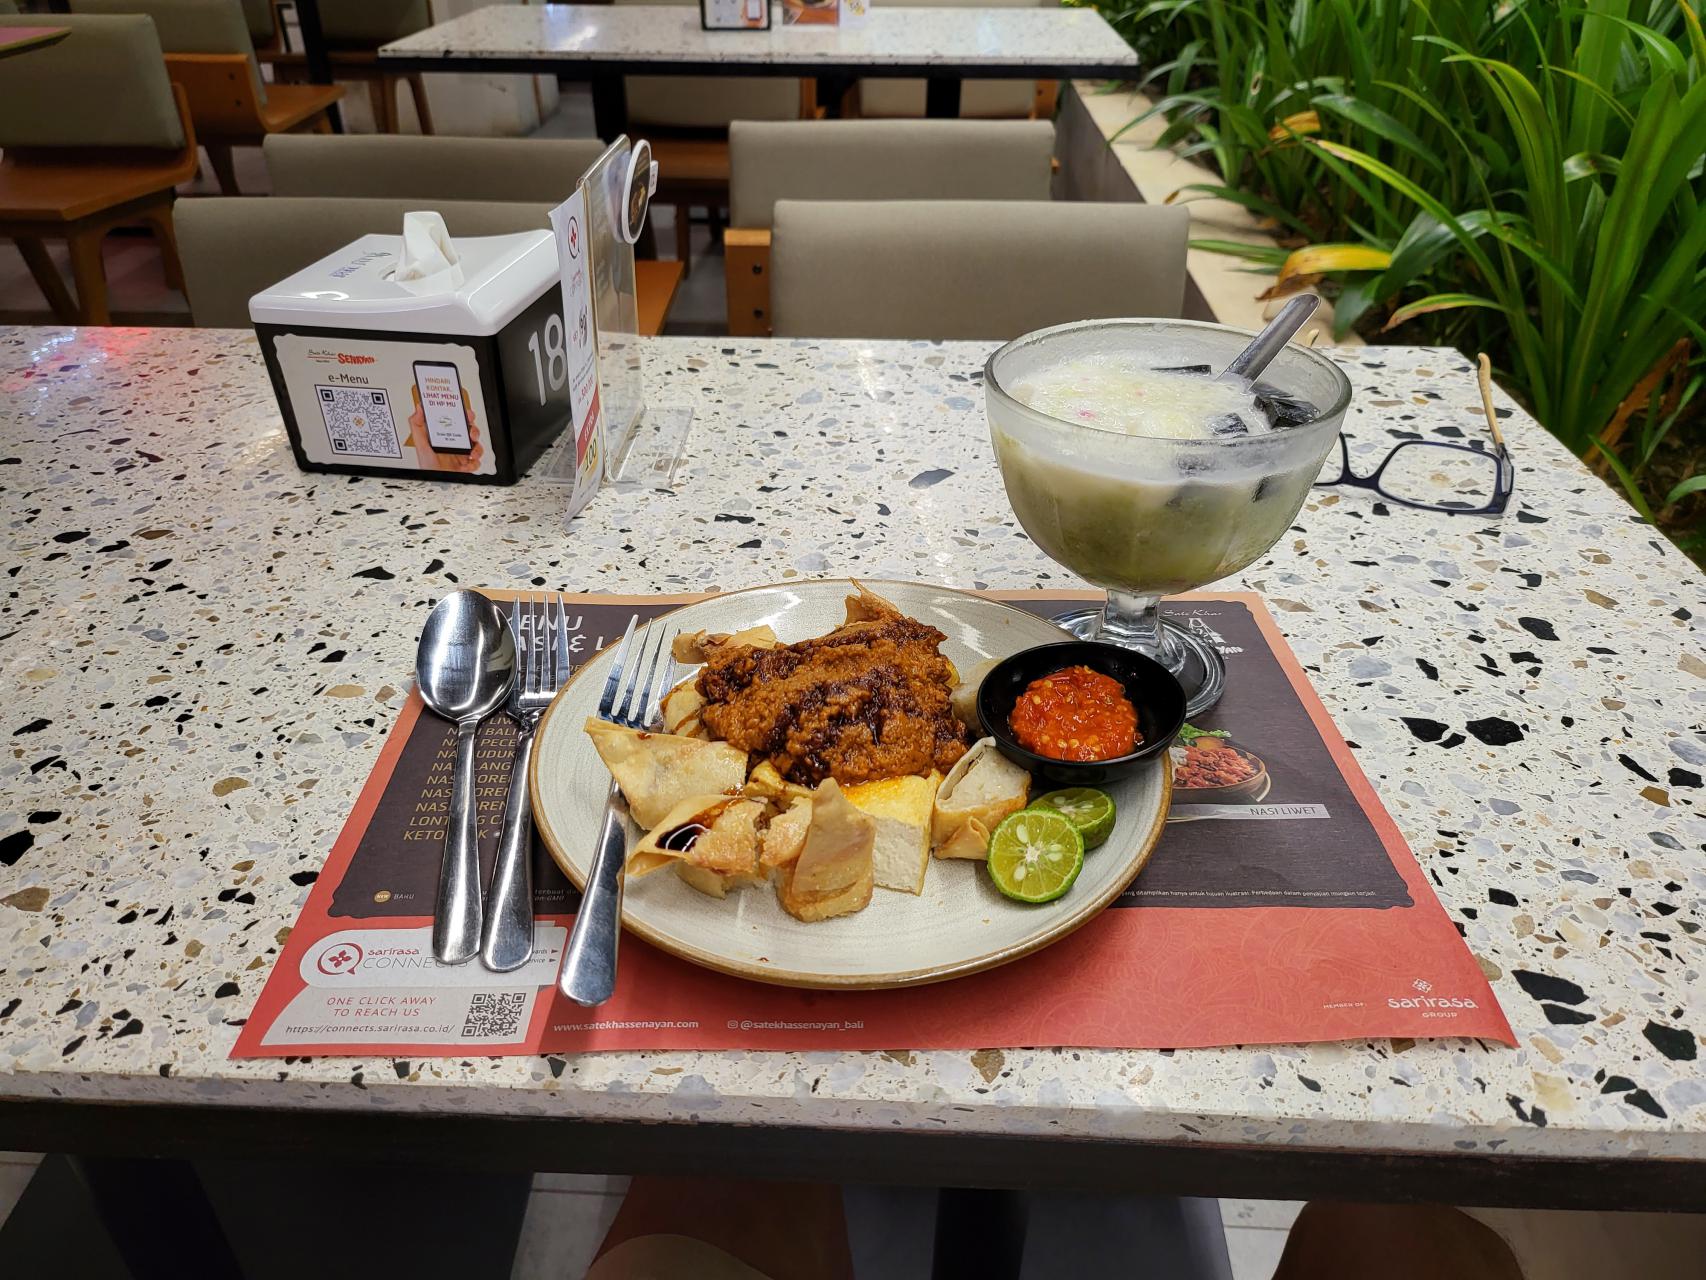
1504, 478
1504, 483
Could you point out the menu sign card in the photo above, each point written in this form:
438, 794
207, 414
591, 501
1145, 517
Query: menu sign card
580, 355
1281, 906
734, 15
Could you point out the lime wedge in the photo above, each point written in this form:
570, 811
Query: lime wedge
1035, 855
1089, 810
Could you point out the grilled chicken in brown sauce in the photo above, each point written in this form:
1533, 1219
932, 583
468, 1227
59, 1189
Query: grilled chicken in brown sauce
869, 700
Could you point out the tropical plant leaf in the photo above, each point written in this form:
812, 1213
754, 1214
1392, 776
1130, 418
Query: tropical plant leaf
1631, 486
1694, 484
1437, 302
1380, 123
1585, 164
1272, 257
1322, 259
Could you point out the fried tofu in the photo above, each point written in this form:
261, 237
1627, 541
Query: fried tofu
902, 809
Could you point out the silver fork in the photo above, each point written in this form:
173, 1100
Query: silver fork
589, 965
542, 665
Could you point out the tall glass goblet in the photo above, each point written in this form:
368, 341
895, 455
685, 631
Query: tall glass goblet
1149, 516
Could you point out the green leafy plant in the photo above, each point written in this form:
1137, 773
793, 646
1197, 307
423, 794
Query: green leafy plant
1523, 177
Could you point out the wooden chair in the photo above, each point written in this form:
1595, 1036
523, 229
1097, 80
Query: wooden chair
863, 160
353, 31
230, 112
210, 52
95, 137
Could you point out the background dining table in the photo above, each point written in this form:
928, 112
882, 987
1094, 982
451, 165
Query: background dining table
205, 647
602, 43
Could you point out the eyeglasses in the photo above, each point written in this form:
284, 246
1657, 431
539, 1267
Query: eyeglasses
1458, 479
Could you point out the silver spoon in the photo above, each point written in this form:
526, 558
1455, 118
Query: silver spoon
464, 668
1248, 364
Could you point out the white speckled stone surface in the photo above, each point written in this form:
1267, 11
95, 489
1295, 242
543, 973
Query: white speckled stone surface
984, 40
203, 647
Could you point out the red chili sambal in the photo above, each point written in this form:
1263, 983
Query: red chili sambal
1075, 714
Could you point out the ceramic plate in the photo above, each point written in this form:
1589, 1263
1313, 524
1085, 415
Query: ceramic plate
959, 925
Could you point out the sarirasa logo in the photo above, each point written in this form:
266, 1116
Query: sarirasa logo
345, 358
1432, 1002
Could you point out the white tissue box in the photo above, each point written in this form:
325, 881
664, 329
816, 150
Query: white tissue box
469, 383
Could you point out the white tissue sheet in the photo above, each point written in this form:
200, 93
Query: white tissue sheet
427, 261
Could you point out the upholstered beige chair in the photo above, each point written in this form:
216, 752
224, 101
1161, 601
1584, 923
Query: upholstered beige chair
94, 137
235, 248
686, 118
528, 170
864, 160
989, 269
979, 99
210, 53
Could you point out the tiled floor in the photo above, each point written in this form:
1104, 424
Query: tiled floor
1255, 1234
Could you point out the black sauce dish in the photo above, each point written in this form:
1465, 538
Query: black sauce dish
1154, 692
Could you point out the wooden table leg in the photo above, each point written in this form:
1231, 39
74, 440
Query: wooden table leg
159, 1218
41, 266
942, 97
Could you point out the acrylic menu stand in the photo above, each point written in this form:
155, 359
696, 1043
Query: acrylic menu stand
640, 449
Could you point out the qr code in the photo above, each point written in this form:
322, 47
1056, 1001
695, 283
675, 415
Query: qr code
495, 1014
358, 421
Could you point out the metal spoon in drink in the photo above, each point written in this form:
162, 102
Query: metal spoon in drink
464, 668
1248, 364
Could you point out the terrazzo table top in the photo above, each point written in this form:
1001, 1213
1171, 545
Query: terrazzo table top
204, 646
985, 40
